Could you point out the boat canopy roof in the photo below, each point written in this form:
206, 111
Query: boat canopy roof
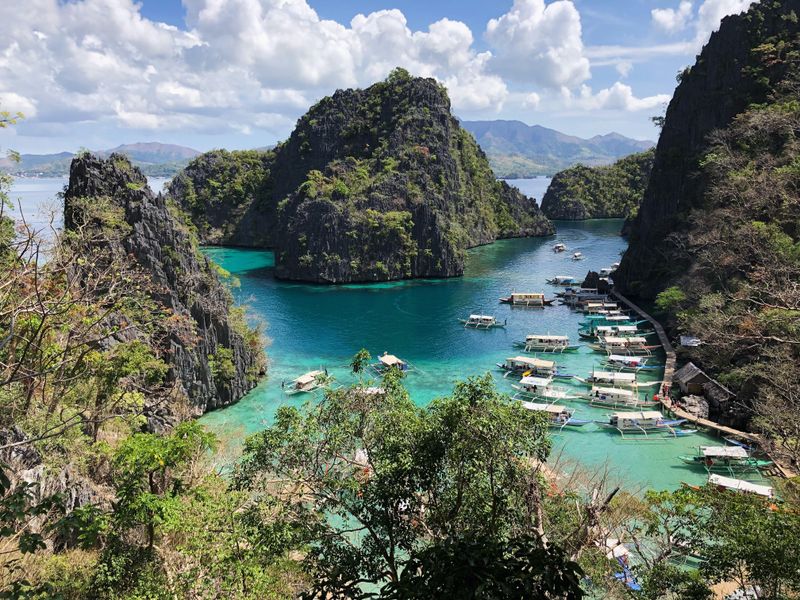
614, 376
307, 378
613, 391
550, 408
724, 451
390, 360
534, 362
739, 485
537, 381
548, 338
481, 318
527, 295
618, 318
617, 328
645, 414
631, 341
628, 360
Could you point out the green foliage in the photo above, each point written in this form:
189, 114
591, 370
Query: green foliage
670, 299
221, 364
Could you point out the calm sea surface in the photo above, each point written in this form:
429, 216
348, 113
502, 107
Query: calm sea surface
312, 327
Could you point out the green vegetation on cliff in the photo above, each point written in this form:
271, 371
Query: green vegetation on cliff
614, 191
717, 238
391, 159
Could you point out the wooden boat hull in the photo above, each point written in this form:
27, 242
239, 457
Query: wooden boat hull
547, 349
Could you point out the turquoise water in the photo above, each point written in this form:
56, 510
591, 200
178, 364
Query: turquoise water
314, 327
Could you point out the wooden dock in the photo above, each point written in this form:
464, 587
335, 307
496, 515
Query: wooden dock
666, 401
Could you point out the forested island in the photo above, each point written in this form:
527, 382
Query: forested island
116, 335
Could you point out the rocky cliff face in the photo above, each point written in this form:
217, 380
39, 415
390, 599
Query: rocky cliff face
374, 185
607, 192
214, 358
729, 75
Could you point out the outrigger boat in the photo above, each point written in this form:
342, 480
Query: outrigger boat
611, 397
565, 280
547, 343
616, 379
632, 346
577, 256
597, 308
728, 459
631, 363
482, 322
387, 361
643, 422
530, 366
308, 382
558, 416
599, 331
531, 299
559, 247
740, 486
542, 388
593, 320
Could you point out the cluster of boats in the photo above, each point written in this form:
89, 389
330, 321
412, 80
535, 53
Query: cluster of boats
560, 247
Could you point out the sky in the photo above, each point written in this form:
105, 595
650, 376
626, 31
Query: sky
238, 73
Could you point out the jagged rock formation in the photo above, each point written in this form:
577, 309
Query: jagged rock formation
214, 358
372, 185
729, 76
607, 192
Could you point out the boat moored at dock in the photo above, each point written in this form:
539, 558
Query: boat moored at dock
618, 362
557, 416
529, 365
547, 343
529, 299
612, 378
631, 346
611, 397
726, 459
542, 388
641, 422
482, 322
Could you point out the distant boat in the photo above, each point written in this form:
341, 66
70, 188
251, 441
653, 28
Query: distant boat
308, 382
542, 388
631, 346
529, 299
559, 247
631, 363
387, 361
577, 256
529, 365
611, 397
565, 280
481, 322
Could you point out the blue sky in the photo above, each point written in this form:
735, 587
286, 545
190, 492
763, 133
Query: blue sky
238, 73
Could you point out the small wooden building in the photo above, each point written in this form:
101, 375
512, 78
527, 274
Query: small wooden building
691, 379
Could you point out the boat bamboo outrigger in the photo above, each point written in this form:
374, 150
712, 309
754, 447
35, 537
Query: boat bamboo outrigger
612, 378
529, 299
601, 331
642, 422
558, 416
308, 382
726, 459
482, 322
631, 363
740, 486
547, 343
388, 361
529, 366
611, 397
542, 388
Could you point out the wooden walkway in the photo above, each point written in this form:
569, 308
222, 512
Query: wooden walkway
669, 371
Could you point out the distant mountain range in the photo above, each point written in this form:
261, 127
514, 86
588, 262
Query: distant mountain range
517, 150
155, 159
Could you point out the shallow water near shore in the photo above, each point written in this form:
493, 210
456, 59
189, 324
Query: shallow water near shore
313, 327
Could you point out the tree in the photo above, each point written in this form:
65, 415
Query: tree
380, 486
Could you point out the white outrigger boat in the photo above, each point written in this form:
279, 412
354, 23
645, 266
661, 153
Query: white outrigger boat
547, 343
612, 378
542, 388
740, 486
308, 382
631, 363
642, 422
726, 459
565, 280
482, 322
528, 299
528, 365
559, 247
558, 416
631, 346
611, 397
577, 256
601, 331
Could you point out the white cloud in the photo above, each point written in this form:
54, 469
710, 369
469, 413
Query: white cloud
539, 43
624, 67
532, 101
617, 97
14, 103
711, 13
672, 20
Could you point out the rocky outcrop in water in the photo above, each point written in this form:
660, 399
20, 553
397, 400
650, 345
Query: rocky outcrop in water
607, 192
214, 358
372, 185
